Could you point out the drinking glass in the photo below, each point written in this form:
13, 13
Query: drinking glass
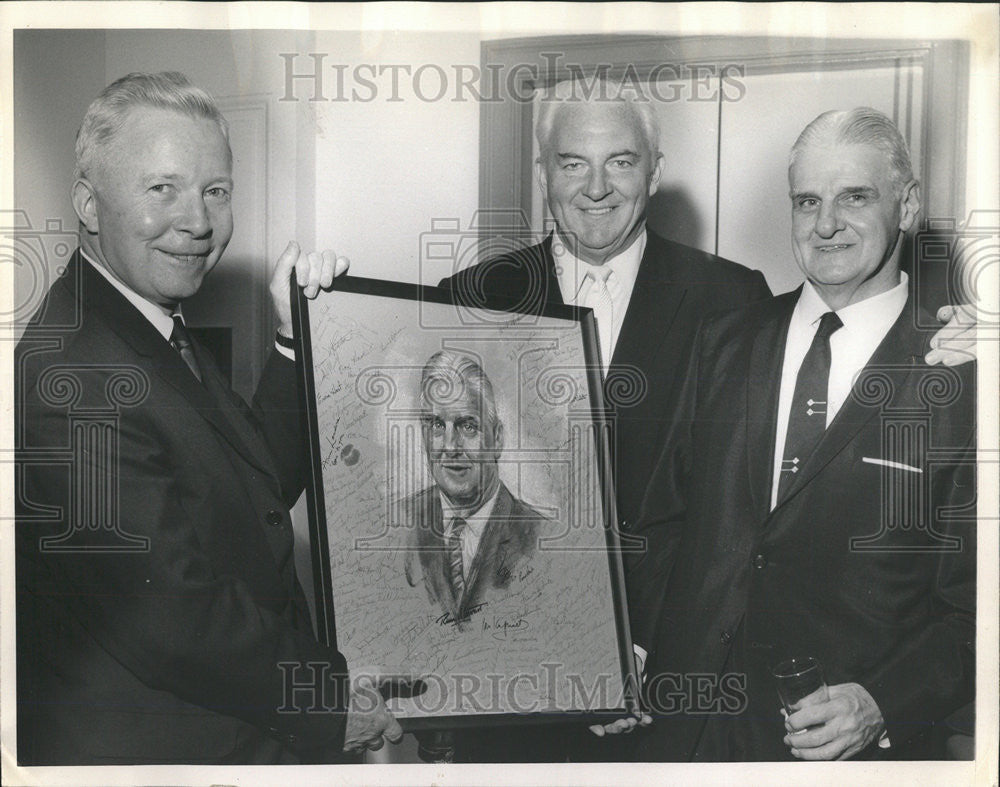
800, 683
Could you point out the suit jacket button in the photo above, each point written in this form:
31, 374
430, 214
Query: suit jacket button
726, 638
760, 562
274, 518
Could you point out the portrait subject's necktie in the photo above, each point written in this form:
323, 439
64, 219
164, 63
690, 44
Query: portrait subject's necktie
180, 340
454, 541
807, 418
598, 298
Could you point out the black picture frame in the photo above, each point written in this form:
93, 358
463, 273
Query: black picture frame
494, 322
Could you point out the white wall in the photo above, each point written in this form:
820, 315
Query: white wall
385, 168
50, 98
54, 79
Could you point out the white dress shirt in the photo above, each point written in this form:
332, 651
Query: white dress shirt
574, 283
865, 325
475, 524
159, 316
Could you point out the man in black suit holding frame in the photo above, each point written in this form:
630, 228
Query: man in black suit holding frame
599, 163
159, 618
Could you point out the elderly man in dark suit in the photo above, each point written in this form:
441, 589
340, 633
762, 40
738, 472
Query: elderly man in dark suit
159, 618
817, 495
599, 163
469, 535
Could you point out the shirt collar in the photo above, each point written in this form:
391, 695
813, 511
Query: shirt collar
159, 316
476, 521
867, 315
571, 272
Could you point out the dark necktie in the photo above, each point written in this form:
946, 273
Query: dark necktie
807, 418
180, 340
454, 541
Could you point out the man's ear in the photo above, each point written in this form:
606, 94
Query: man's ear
654, 179
541, 176
498, 437
909, 205
85, 204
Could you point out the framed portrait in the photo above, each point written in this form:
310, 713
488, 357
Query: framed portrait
462, 523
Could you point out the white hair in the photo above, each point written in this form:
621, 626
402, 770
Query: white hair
449, 376
549, 102
107, 113
859, 126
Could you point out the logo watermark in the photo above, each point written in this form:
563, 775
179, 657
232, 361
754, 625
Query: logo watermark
315, 77
313, 688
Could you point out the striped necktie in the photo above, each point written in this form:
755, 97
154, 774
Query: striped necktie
454, 542
180, 340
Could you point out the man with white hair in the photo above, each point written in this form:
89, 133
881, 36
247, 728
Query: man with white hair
817, 498
159, 618
599, 163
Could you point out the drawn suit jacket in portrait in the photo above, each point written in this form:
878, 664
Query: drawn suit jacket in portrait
508, 540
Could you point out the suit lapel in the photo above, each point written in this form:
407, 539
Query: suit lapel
544, 269
902, 347
237, 419
431, 550
129, 325
526, 277
494, 534
652, 306
762, 391
651, 310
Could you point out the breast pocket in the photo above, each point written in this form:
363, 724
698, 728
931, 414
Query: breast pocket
893, 465
905, 517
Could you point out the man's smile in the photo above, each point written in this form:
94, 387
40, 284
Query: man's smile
456, 467
187, 259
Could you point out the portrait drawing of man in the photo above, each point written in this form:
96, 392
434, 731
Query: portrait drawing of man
470, 536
